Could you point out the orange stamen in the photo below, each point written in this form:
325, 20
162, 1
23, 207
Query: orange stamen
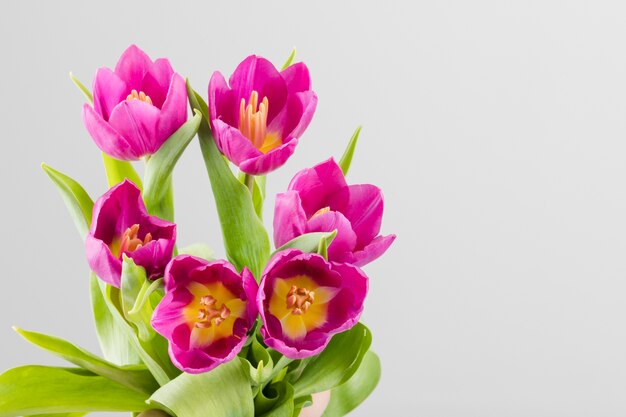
141, 96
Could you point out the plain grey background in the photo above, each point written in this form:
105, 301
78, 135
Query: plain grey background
495, 128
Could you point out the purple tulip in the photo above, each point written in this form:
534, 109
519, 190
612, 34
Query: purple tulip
259, 115
319, 200
136, 107
304, 300
206, 313
121, 226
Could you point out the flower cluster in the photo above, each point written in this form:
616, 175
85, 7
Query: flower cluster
269, 329
210, 307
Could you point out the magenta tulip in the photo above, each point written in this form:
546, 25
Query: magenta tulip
259, 115
206, 313
121, 226
319, 200
136, 107
304, 300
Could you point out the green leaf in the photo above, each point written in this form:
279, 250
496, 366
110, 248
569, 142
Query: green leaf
153, 353
114, 342
159, 166
275, 400
222, 392
346, 159
260, 363
325, 242
61, 415
30, 390
337, 363
258, 194
75, 197
117, 171
199, 250
245, 238
82, 88
292, 55
134, 283
309, 242
354, 391
135, 377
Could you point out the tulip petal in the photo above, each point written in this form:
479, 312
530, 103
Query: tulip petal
297, 77
108, 91
102, 262
156, 82
154, 256
315, 185
106, 137
372, 251
289, 218
346, 239
132, 66
258, 74
296, 116
137, 122
233, 144
363, 206
174, 110
223, 103
265, 163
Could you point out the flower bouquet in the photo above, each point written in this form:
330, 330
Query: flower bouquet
263, 333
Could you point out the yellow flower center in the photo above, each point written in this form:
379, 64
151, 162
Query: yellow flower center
212, 313
253, 123
300, 304
129, 242
141, 96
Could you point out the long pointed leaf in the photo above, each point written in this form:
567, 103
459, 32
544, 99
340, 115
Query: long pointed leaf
245, 238
75, 197
31, 390
117, 171
160, 165
114, 342
135, 377
309, 242
346, 158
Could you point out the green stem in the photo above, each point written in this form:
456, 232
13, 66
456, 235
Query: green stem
143, 295
248, 180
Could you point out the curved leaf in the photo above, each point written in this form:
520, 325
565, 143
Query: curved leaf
135, 377
309, 242
160, 165
75, 197
222, 392
354, 391
337, 363
117, 171
31, 390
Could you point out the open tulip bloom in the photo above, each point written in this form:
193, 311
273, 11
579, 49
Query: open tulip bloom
254, 332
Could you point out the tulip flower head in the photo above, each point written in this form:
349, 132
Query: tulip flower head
319, 200
303, 300
206, 313
121, 226
136, 107
259, 115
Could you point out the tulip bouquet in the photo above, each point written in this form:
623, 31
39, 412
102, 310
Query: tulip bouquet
263, 333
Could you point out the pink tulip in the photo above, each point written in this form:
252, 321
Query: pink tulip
136, 107
304, 300
319, 200
259, 115
206, 313
121, 226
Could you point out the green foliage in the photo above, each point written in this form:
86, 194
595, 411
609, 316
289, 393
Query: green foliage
222, 392
135, 377
347, 396
159, 167
117, 171
310, 242
346, 158
337, 363
75, 197
245, 238
32, 390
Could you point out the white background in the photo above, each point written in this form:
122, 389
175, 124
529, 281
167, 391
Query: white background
495, 128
